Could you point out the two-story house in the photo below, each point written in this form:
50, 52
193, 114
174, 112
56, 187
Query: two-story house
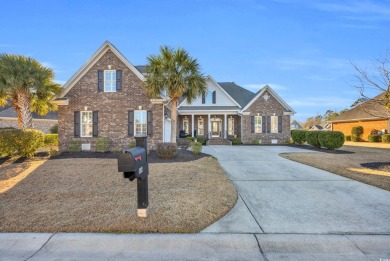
106, 98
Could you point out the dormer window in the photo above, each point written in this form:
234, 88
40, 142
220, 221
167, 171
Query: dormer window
209, 97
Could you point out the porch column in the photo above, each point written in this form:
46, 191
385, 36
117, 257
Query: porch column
225, 123
208, 126
192, 125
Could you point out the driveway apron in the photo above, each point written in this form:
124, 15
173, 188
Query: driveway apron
279, 196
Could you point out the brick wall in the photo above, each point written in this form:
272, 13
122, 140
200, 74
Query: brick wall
42, 125
368, 126
113, 107
264, 107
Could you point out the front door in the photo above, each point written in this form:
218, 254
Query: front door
215, 128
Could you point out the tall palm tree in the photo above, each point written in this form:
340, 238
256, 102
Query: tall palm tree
28, 85
175, 72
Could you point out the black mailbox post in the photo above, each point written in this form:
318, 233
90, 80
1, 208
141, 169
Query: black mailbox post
134, 165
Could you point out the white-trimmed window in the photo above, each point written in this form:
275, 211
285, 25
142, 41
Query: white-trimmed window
274, 124
86, 123
140, 126
209, 97
200, 126
186, 125
258, 125
110, 80
231, 126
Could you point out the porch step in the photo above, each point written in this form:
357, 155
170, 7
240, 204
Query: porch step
218, 142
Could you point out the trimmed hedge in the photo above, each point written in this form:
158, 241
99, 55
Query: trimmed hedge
51, 140
355, 139
22, 143
192, 139
102, 144
312, 138
202, 139
331, 139
374, 138
348, 137
196, 147
357, 133
386, 138
298, 136
166, 150
74, 146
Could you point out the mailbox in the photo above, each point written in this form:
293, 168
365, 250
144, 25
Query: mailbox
133, 163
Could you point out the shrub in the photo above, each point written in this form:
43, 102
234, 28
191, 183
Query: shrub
116, 149
289, 141
192, 139
386, 138
29, 142
74, 146
331, 139
374, 138
51, 140
196, 147
312, 138
348, 137
166, 150
54, 129
8, 146
183, 143
355, 139
256, 141
132, 144
298, 136
236, 141
102, 144
357, 132
202, 139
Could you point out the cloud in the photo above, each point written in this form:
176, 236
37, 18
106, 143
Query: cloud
254, 87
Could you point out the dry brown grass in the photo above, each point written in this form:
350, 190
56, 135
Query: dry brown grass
351, 162
89, 195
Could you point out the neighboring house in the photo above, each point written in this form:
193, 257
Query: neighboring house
106, 98
370, 115
9, 119
295, 125
227, 110
316, 128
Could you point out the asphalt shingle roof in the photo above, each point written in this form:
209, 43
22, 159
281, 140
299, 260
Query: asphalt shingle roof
208, 108
141, 68
11, 113
238, 93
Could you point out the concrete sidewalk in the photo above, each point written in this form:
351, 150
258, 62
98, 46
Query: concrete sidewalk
285, 211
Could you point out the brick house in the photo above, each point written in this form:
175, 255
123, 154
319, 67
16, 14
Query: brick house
105, 98
370, 115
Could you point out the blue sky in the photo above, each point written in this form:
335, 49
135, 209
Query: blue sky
301, 48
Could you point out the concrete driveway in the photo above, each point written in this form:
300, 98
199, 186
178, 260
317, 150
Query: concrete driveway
285, 211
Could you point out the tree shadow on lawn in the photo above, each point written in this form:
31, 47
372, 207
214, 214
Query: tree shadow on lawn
182, 156
382, 166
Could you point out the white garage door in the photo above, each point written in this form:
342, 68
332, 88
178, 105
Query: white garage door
167, 130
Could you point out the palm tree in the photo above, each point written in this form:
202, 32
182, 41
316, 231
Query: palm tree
28, 86
175, 72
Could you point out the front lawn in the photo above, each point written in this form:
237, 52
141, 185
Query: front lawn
367, 165
84, 192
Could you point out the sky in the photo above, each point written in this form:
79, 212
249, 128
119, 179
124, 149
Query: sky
303, 49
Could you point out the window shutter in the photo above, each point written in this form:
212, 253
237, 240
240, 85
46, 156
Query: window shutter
118, 80
100, 81
268, 124
203, 98
253, 124
150, 125
130, 127
214, 97
95, 120
77, 124
280, 124
263, 124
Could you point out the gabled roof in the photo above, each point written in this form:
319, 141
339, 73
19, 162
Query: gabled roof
241, 95
94, 58
141, 69
273, 93
297, 122
12, 114
370, 110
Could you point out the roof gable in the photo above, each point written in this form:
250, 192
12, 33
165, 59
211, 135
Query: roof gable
241, 95
273, 93
223, 98
91, 61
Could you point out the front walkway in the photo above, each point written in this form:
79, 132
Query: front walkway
285, 210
